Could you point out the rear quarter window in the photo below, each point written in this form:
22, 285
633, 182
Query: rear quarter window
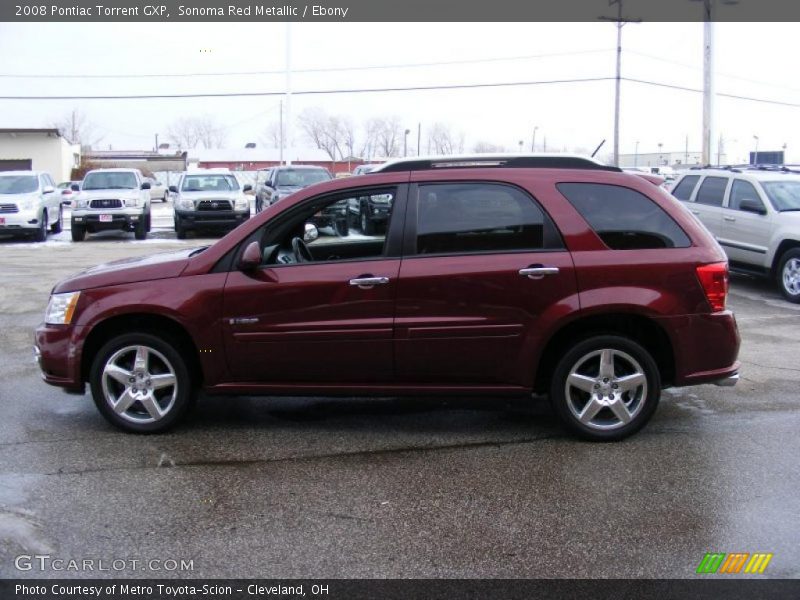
624, 218
685, 187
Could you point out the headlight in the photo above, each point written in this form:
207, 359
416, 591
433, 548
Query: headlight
81, 203
132, 202
61, 308
275, 197
186, 204
242, 204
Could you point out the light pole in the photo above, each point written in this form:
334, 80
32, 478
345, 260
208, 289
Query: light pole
533, 141
755, 156
520, 145
660, 156
636, 155
405, 142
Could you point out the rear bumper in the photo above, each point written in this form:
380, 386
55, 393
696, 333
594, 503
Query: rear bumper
705, 348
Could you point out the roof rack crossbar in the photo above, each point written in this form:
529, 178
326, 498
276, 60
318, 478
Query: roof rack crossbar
513, 162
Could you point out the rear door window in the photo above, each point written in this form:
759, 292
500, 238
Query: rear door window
712, 191
685, 187
624, 218
464, 218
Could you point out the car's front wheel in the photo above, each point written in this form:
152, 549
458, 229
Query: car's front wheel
605, 388
789, 275
40, 234
141, 383
58, 226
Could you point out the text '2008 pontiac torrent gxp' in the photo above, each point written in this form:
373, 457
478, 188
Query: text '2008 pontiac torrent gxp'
493, 276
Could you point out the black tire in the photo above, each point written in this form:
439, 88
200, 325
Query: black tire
341, 227
367, 224
41, 233
789, 275
58, 226
180, 230
627, 358
174, 400
78, 232
140, 231
149, 222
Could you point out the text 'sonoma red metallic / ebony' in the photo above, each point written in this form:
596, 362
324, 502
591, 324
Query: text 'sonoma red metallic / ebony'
483, 275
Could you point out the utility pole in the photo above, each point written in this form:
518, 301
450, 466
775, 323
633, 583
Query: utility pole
636, 155
156, 143
419, 136
709, 82
288, 92
620, 22
533, 141
280, 130
686, 151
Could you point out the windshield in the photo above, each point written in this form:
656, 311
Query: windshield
301, 177
209, 183
109, 180
18, 184
784, 195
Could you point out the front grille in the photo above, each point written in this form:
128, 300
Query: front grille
106, 203
8, 208
214, 205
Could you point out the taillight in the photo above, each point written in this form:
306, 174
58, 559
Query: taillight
714, 279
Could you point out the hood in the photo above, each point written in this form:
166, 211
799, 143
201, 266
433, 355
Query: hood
210, 195
126, 193
129, 270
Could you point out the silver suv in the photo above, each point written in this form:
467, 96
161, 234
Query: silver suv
29, 205
754, 212
112, 199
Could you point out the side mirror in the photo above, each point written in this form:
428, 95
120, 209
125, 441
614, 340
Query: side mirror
48, 189
247, 188
173, 189
311, 233
251, 257
146, 185
75, 187
752, 206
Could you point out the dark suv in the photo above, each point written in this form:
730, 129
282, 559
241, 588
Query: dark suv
494, 276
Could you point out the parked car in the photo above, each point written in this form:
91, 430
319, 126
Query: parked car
65, 189
755, 216
369, 212
499, 276
111, 199
158, 191
209, 201
29, 205
282, 181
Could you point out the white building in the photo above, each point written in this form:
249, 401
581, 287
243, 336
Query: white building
677, 160
40, 150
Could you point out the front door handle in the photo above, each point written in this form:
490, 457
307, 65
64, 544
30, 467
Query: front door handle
368, 282
729, 219
538, 272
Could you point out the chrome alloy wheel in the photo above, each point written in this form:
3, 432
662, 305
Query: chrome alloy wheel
606, 389
791, 276
139, 384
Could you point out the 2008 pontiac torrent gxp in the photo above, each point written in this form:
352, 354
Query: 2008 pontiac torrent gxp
496, 276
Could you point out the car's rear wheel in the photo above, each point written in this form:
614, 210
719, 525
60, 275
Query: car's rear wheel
141, 383
789, 275
605, 388
367, 226
58, 226
341, 227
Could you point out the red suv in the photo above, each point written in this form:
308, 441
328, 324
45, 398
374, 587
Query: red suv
494, 276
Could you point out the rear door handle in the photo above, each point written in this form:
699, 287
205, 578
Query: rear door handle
538, 272
366, 283
730, 219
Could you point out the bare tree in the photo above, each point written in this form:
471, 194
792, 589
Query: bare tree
77, 128
443, 140
387, 131
272, 135
196, 132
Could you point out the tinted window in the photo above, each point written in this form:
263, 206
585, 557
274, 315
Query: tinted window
712, 191
623, 218
18, 184
110, 180
301, 177
742, 190
684, 189
479, 217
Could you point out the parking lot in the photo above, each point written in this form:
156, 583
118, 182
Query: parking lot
413, 487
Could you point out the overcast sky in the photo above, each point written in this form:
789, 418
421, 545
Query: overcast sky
752, 59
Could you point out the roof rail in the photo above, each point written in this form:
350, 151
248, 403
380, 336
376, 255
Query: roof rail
497, 161
748, 167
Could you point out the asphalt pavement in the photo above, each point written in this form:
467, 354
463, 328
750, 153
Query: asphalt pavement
419, 487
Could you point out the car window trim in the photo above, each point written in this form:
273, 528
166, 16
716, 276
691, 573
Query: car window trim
725, 192
409, 245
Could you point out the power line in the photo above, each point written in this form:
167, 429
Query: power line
315, 92
310, 70
723, 94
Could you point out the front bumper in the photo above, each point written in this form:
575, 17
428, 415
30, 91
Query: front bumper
200, 219
57, 351
24, 221
121, 219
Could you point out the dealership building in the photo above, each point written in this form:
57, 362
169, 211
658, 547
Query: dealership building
39, 150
